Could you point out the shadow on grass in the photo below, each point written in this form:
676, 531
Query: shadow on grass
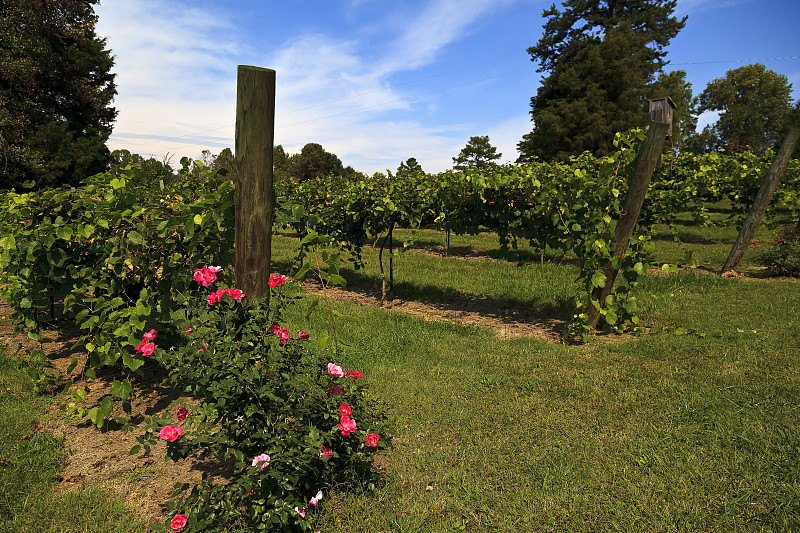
548, 317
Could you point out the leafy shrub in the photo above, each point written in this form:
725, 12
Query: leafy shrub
782, 257
272, 404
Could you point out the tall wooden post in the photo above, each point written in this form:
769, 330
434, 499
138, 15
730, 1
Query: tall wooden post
646, 161
761, 201
255, 133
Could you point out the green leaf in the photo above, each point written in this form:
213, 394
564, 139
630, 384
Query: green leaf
322, 340
134, 237
121, 389
198, 220
132, 362
135, 449
599, 279
79, 395
64, 232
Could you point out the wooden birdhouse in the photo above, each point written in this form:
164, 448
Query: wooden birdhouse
661, 111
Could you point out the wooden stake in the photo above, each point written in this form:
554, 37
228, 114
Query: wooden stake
649, 156
255, 127
761, 201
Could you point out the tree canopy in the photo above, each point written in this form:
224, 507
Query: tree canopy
313, 161
56, 87
478, 153
753, 104
601, 57
410, 166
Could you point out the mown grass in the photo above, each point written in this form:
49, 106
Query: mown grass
29, 463
661, 432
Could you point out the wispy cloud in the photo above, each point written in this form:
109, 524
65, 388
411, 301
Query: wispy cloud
177, 82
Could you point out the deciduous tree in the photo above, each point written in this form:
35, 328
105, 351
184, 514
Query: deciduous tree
752, 103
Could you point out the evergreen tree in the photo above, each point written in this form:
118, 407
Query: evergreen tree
478, 153
56, 87
601, 57
410, 166
684, 118
753, 104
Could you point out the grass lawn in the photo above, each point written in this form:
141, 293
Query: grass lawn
660, 432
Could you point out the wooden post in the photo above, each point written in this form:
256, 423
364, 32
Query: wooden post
761, 201
255, 133
646, 161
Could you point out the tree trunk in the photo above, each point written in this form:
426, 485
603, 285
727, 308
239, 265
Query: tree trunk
648, 158
763, 196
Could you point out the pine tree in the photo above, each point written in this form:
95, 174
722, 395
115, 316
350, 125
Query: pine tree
56, 87
601, 57
478, 153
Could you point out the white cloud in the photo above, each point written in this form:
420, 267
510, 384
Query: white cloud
176, 78
506, 134
705, 118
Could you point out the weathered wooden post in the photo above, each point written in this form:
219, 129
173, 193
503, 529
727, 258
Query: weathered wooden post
649, 156
255, 133
761, 201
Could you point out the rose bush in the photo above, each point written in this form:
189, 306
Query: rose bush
281, 413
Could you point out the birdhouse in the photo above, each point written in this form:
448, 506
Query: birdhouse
661, 111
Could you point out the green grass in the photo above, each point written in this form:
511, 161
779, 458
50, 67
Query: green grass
30, 462
661, 432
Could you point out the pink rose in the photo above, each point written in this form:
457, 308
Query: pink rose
372, 440
336, 390
324, 452
302, 335
335, 370
146, 348
215, 296
206, 275
182, 414
276, 280
188, 331
356, 374
315, 500
178, 522
150, 335
236, 294
345, 410
301, 512
261, 461
170, 433
282, 333
347, 425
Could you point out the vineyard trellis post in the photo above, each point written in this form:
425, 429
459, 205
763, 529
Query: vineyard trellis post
255, 134
761, 201
649, 156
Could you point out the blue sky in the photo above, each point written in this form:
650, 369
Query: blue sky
377, 82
